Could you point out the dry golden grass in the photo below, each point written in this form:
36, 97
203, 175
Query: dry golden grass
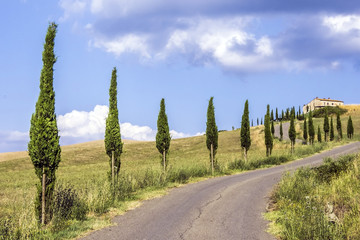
353, 110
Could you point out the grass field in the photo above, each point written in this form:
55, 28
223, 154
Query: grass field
319, 203
84, 168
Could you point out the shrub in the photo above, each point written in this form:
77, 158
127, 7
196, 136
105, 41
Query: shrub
67, 206
320, 112
333, 168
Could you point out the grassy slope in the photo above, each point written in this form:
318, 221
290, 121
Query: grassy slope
320, 203
84, 164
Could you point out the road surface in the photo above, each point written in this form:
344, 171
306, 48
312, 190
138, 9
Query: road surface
228, 207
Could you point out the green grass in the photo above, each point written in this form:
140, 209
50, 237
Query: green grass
319, 203
84, 169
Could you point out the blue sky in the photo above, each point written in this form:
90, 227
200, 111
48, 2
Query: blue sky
283, 53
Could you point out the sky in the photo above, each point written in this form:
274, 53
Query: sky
283, 53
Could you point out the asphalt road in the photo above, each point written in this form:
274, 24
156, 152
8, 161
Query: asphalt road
228, 207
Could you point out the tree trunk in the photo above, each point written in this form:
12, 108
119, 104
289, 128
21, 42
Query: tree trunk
212, 158
113, 167
245, 154
43, 198
164, 160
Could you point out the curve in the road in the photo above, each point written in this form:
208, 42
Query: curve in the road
228, 207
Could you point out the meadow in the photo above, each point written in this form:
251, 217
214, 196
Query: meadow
82, 177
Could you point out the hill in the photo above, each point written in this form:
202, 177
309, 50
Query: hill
84, 167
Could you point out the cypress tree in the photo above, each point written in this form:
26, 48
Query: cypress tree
277, 115
261, 121
272, 128
257, 122
332, 130
281, 131
319, 134
272, 115
292, 132
293, 112
305, 133
326, 124
350, 128
163, 135
287, 114
338, 126
211, 134
43, 147
245, 131
252, 122
268, 136
311, 129
282, 115
113, 144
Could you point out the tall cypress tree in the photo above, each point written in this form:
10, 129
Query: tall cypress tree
287, 114
350, 128
257, 122
319, 134
338, 126
277, 115
281, 131
332, 136
252, 122
311, 129
292, 132
44, 148
282, 115
261, 121
163, 137
211, 134
272, 128
245, 130
272, 115
305, 133
326, 124
268, 136
113, 144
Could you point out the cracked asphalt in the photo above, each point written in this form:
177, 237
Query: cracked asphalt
228, 207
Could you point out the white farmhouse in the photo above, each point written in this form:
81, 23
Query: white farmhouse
320, 103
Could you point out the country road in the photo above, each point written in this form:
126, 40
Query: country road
228, 207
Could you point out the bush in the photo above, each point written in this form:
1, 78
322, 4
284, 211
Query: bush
67, 206
271, 160
182, 175
320, 112
333, 168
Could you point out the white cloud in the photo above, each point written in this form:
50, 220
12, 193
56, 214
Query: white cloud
11, 141
223, 41
135, 132
86, 126
129, 43
342, 23
174, 134
72, 7
83, 124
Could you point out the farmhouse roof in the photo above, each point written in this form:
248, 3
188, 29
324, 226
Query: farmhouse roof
328, 99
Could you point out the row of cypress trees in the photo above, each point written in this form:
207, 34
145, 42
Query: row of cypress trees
45, 152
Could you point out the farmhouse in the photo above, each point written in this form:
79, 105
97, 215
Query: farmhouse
321, 102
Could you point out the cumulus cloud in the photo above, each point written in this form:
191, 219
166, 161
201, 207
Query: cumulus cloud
82, 126
78, 126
